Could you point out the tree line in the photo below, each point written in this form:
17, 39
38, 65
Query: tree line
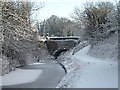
58, 26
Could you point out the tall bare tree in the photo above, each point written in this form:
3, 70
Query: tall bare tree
18, 35
97, 19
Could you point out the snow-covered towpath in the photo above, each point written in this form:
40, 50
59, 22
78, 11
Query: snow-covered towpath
92, 72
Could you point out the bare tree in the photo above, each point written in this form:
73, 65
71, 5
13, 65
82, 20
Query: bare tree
118, 14
18, 35
97, 19
118, 18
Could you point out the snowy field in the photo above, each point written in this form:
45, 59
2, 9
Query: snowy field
88, 72
20, 76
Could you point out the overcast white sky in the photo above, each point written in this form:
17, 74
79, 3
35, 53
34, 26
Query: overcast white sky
61, 8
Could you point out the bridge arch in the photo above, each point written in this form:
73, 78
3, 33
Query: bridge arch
59, 51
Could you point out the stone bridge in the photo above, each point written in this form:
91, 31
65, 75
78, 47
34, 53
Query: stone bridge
57, 45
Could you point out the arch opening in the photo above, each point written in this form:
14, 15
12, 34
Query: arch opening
58, 52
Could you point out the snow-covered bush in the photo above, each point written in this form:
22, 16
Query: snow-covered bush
106, 49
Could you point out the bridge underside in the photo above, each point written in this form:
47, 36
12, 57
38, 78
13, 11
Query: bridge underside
58, 52
56, 47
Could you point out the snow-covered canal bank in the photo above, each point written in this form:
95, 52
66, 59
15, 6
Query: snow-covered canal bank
90, 72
